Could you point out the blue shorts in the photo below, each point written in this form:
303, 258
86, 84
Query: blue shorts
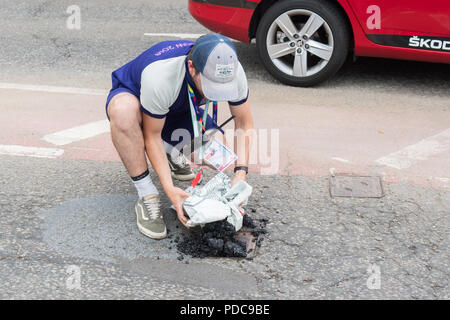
173, 121
118, 87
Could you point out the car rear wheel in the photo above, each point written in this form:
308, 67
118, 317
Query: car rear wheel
302, 42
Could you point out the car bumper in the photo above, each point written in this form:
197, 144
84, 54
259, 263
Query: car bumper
230, 18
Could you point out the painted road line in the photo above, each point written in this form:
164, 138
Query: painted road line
74, 134
406, 157
340, 159
15, 150
178, 35
175, 35
53, 89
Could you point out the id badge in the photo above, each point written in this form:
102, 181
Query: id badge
218, 155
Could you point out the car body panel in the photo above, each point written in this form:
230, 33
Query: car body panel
430, 17
231, 18
400, 21
366, 45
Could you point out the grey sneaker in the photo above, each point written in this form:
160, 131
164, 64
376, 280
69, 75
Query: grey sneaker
181, 170
149, 218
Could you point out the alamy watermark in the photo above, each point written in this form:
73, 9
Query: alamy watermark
264, 146
73, 281
73, 22
374, 20
374, 279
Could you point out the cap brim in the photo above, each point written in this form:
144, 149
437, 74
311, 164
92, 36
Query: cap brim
215, 91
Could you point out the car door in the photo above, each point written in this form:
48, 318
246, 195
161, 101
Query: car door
431, 17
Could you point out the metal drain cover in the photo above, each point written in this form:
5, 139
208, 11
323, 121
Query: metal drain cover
356, 186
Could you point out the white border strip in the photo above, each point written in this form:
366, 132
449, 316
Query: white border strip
340, 159
75, 134
15, 150
52, 89
175, 35
194, 36
406, 157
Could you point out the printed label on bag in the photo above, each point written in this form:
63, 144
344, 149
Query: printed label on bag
218, 155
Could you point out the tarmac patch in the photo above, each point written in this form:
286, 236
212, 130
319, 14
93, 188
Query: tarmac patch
104, 228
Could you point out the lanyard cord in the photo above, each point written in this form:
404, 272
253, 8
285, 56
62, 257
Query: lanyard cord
197, 117
194, 111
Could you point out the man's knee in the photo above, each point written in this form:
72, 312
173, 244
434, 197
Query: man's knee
124, 112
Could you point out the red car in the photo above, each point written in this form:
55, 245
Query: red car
304, 42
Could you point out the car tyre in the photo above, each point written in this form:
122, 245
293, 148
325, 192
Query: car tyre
317, 54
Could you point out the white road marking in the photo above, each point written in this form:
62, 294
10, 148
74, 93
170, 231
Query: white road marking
53, 89
332, 172
30, 151
340, 159
74, 134
406, 157
178, 35
175, 35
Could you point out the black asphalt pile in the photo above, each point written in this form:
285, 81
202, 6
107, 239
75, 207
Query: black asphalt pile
256, 228
217, 239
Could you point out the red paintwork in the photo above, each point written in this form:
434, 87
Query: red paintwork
232, 22
400, 17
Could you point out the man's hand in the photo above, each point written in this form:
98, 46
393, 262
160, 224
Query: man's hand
238, 176
177, 196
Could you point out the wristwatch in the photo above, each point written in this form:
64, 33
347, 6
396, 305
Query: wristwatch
243, 168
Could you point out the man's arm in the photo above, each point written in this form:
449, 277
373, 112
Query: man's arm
243, 126
158, 158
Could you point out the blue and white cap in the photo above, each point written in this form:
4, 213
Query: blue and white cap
215, 57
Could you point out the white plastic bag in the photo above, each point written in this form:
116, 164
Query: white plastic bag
203, 210
217, 201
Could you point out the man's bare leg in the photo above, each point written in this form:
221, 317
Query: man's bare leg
126, 132
127, 136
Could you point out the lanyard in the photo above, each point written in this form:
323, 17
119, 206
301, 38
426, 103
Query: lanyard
199, 119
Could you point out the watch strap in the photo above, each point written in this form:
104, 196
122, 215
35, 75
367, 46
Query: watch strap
244, 168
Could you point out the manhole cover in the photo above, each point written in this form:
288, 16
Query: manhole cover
356, 186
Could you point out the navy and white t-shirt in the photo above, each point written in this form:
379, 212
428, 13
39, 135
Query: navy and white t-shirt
158, 78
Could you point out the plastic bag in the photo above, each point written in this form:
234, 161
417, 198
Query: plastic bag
216, 201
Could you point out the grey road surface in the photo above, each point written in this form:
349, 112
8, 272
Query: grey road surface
61, 214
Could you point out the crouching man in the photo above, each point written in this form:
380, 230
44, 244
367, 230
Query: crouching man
161, 91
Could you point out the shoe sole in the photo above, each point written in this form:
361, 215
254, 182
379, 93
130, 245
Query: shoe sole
183, 177
149, 233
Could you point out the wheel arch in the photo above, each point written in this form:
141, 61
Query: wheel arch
264, 5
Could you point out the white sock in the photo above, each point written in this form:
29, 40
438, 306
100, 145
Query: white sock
144, 185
